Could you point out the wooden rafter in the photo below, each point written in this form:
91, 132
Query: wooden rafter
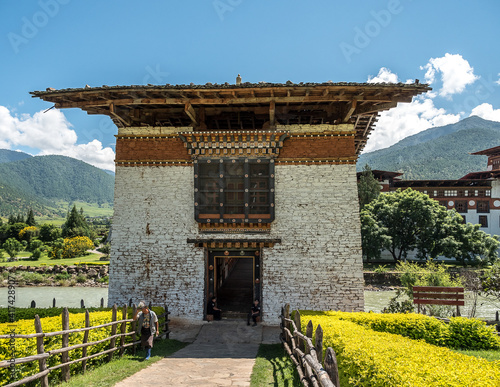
189, 110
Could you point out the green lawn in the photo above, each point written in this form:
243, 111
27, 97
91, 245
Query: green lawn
45, 261
111, 373
273, 367
89, 209
491, 355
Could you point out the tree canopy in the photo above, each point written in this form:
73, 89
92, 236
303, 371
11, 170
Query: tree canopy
405, 221
368, 187
76, 225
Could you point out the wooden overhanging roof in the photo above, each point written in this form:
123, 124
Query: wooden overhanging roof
495, 151
484, 175
247, 106
462, 183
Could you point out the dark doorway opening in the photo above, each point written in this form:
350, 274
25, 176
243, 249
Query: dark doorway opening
235, 293
233, 277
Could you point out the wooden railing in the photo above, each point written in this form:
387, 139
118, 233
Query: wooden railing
114, 339
438, 295
306, 355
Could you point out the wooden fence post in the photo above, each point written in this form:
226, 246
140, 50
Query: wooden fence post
331, 366
134, 312
296, 320
287, 311
309, 329
42, 364
82, 304
65, 342
318, 345
102, 302
167, 320
112, 342
85, 340
33, 304
54, 302
123, 329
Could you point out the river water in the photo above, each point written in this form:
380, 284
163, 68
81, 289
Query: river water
71, 296
65, 296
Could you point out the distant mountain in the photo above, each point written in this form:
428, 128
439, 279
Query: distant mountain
40, 181
438, 153
6, 156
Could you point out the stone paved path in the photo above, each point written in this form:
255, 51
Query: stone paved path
223, 354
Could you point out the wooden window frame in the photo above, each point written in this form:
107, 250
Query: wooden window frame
483, 221
483, 207
463, 203
247, 215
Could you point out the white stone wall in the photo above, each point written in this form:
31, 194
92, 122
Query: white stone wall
150, 259
316, 266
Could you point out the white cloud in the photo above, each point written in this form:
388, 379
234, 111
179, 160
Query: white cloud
51, 133
384, 76
405, 120
487, 112
456, 73
498, 82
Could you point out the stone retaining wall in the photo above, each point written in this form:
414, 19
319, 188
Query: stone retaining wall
88, 270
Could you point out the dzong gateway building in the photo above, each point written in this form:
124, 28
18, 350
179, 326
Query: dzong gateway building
243, 191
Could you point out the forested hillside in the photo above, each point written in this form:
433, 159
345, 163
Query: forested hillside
40, 181
438, 153
6, 156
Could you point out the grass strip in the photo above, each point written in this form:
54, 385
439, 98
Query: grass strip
273, 367
490, 355
111, 373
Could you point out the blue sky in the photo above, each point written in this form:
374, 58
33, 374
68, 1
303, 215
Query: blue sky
69, 43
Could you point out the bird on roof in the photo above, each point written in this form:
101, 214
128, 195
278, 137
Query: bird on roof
238, 80
50, 89
87, 86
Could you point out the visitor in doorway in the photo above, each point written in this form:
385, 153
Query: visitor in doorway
254, 313
213, 309
147, 326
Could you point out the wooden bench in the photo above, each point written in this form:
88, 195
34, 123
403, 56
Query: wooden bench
438, 295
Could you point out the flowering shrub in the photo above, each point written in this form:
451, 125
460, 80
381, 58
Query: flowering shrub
370, 358
28, 232
76, 246
27, 347
461, 333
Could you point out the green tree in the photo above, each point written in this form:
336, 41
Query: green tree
490, 284
12, 219
474, 246
14, 230
30, 218
408, 220
368, 187
49, 232
373, 236
12, 246
76, 225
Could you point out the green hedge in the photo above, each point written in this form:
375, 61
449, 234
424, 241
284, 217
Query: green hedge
379, 359
460, 333
27, 347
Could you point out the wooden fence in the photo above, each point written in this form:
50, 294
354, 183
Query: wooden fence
116, 343
306, 355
